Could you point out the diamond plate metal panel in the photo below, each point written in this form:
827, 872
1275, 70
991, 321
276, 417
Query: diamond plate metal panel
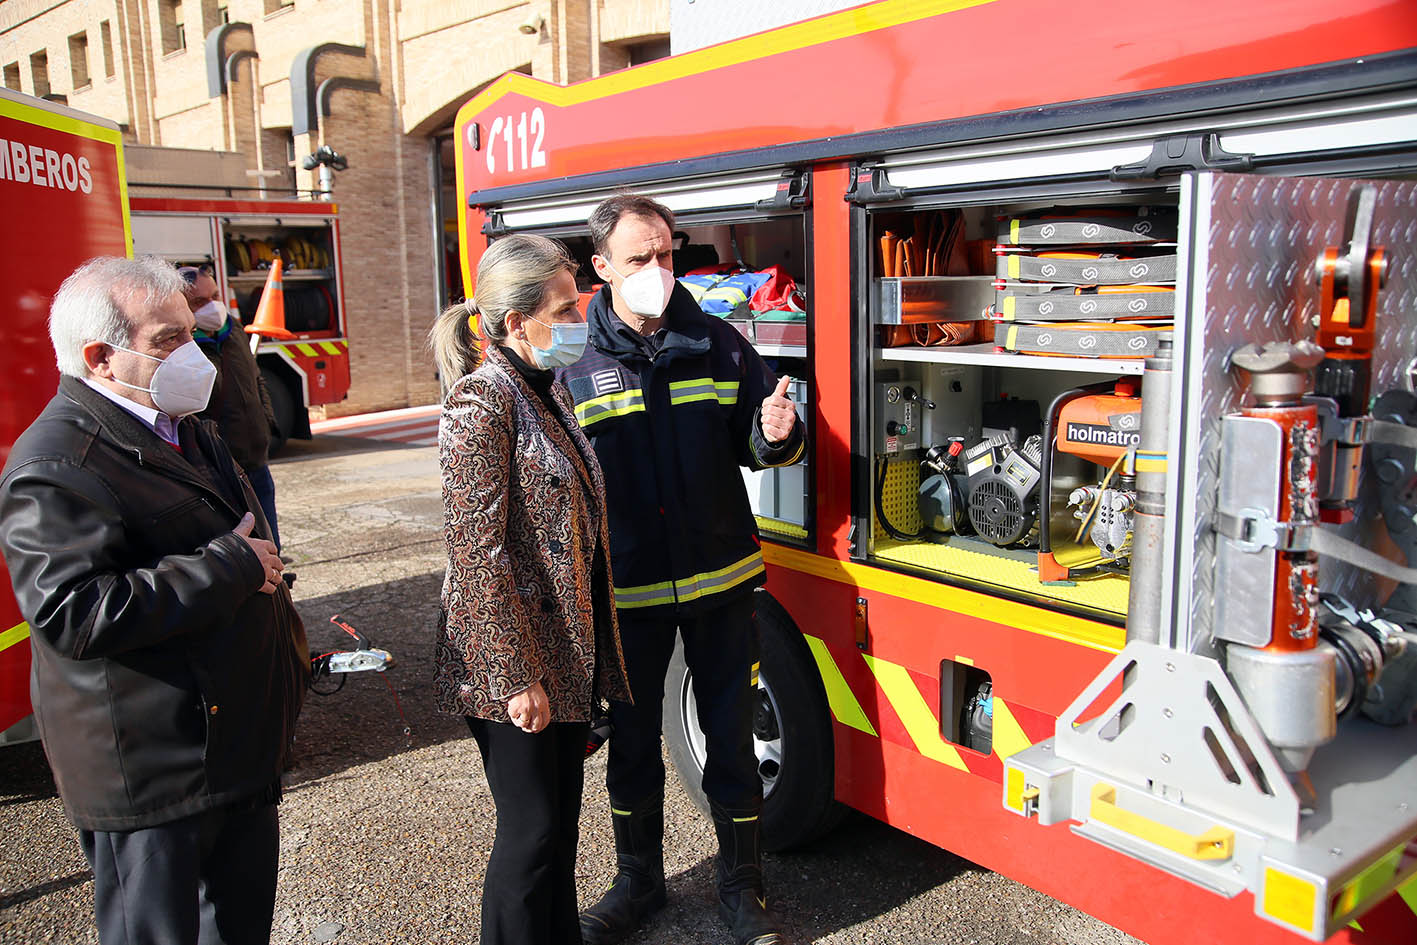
1257, 239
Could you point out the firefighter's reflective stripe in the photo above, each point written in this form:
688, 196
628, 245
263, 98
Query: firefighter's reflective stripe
610, 405
904, 696
703, 388
689, 588
15, 634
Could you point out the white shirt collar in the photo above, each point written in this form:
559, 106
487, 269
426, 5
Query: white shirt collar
152, 418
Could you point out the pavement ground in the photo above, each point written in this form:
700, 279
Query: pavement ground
385, 836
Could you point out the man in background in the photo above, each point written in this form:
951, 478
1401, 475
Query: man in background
240, 404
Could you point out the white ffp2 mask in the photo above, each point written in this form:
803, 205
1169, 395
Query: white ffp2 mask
646, 291
182, 383
210, 317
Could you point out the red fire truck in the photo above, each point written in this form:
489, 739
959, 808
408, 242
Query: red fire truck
239, 239
65, 199
1036, 568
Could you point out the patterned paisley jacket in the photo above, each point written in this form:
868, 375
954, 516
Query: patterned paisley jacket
528, 595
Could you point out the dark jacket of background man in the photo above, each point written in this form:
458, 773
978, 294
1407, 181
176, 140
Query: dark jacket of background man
239, 405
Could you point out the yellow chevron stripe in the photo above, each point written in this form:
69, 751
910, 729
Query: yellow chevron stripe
307, 350
14, 635
910, 705
1009, 738
1408, 892
331, 348
839, 695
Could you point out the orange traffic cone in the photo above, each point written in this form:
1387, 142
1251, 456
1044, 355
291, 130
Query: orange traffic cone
270, 313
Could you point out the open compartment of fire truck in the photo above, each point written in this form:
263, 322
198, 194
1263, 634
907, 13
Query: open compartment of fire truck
742, 252
753, 275
306, 249
1006, 343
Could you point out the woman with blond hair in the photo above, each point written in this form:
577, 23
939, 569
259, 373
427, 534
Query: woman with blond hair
529, 644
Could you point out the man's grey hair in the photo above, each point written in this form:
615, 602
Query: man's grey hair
89, 305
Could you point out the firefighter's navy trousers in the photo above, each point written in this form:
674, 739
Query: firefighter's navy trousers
721, 650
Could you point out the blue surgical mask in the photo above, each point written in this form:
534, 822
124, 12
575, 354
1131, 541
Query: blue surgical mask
567, 345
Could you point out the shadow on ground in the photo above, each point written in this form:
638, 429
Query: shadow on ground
326, 444
860, 870
24, 775
365, 720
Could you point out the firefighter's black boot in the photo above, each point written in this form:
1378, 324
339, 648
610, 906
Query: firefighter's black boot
741, 901
637, 891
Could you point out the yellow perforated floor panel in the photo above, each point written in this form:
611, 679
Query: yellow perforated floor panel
1104, 592
778, 527
978, 560
899, 498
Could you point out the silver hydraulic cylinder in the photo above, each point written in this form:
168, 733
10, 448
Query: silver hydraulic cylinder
1149, 520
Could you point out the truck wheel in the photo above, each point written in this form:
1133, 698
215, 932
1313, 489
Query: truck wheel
792, 734
283, 405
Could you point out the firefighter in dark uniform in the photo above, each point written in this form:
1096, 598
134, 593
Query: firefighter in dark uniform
674, 401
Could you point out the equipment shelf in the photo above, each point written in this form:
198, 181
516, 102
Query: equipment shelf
292, 275
781, 351
986, 355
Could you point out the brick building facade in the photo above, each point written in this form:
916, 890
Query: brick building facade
377, 80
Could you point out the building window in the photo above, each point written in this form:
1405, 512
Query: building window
79, 60
172, 22
647, 50
39, 73
213, 15
12, 76
223, 15
275, 6
105, 33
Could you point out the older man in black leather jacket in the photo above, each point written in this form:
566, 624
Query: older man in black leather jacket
169, 663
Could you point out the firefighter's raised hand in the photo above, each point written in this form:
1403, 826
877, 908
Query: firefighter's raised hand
778, 413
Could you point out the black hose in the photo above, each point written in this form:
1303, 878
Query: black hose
1356, 669
1045, 542
891, 530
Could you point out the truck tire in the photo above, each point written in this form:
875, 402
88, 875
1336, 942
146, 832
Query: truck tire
283, 405
792, 734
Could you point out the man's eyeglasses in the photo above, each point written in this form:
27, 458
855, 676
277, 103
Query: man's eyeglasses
189, 273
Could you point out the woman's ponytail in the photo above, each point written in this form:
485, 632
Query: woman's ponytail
454, 344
